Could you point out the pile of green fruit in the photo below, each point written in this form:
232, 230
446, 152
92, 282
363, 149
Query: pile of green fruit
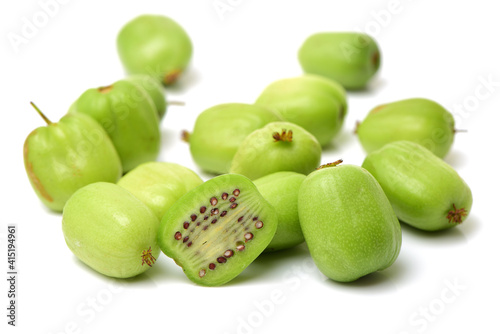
121, 207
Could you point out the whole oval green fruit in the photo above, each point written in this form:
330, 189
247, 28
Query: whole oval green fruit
278, 146
348, 223
350, 58
110, 230
159, 184
418, 120
155, 45
219, 131
315, 103
424, 191
128, 115
154, 90
62, 157
281, 190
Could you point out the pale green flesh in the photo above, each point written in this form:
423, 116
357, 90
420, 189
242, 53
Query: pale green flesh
419, 120
159, 184
421, 187
108, 229
129, 117
63, 157
315, 103
155, 45
259, 154
352, 59
348, 223
209, 241
219, 131
281, 190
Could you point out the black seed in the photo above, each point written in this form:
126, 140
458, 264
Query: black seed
234, 205
203, 209
213, 201
211, 266
202, 273
178, 236
248, 236
198, 223
185, 239
186, 225
224, 196
228, 253
214, 221
193, 217
189, 244
221, 259
232, 199
240, 219
223, 213
255, 218
259, 224
205, 227
236, 192
214, 212
240, 247
205, 218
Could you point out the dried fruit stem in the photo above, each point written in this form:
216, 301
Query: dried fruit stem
185, 136
284, 136
41, 114
456, 215
105, 89
331, 164
147, 257
176, 103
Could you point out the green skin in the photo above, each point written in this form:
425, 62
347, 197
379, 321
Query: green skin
418, 120
208, 242
155, 91
281, 190
350, 58
128, 115
154, 45
315, 103
159, 184
62, 157
220, 130
110, 230
348, 222
261, 154
424, 191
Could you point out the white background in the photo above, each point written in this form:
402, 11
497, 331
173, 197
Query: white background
441, 283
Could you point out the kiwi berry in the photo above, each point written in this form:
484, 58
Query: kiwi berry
217, 229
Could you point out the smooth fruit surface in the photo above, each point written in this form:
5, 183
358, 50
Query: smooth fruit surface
424, 191
419, 120
348, 223
128, 115
279, 146
154, 45
159, 184
217, 229
315, 103
281, 190
219, 131
110, 230
62, 157
155, 91
350, 58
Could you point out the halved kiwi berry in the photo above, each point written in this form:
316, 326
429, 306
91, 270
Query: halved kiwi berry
217, 229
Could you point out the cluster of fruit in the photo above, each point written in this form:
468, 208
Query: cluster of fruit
271, 195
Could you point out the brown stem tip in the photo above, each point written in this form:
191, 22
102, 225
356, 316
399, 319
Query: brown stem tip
283, 136
147, 257
185, 136
456, 215
331, 164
